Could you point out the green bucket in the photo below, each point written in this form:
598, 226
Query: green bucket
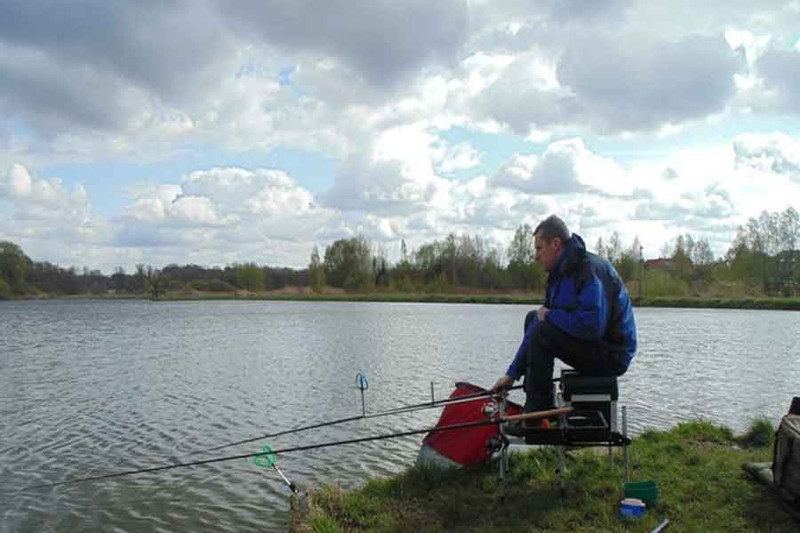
647, 491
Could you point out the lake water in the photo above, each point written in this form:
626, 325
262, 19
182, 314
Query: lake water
96, 387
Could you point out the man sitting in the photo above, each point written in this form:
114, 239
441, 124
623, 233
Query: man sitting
586, 320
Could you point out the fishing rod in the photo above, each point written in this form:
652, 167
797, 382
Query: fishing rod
394, 411
499, 420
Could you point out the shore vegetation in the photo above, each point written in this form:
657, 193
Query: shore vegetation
697, 467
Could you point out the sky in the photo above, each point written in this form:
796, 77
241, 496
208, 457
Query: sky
218, 131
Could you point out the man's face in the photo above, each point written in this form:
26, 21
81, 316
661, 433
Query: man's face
547, 253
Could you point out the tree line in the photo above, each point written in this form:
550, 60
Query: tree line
762, 260
20, 276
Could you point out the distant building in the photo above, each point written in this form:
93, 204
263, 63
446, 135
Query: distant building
661, 264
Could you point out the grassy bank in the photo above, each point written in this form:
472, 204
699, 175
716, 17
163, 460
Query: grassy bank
297, 294
697, 466
786, 304
791, 304
484, 298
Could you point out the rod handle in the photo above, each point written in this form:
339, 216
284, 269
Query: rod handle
538, 414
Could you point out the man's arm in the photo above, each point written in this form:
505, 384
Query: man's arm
517, 366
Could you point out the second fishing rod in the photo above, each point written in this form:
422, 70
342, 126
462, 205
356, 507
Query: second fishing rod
363, 385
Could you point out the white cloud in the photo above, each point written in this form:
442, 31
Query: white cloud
394, 174
48, 220
777, 152
752, 46
263, 192
17, 182
538, 136
565, 167
19, 185
484, 69
226, 214
598, 81
461, 156
711, 191
147, 210
525, 95
199, 211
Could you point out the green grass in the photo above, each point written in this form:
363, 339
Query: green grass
698, 468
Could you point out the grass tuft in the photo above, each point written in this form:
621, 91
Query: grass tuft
760, 433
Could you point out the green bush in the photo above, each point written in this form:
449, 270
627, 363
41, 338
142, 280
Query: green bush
33, 290
250, 277
325, 524
213, 285
5, 289
662, 283
174, 285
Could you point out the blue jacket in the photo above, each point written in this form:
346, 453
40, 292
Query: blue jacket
586, 299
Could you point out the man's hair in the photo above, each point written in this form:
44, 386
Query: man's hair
552, 227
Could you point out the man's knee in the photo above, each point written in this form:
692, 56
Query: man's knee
549, 338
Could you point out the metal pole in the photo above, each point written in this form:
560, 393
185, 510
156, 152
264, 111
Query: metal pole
291, 485
433, 399
625, 446
504, 444
641, 271
362, 384
661, 527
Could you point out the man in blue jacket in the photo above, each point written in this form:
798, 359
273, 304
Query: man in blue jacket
586, 320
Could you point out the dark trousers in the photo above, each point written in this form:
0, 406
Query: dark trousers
547, 344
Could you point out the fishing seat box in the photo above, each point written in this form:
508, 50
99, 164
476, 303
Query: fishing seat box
594, 403
594, 411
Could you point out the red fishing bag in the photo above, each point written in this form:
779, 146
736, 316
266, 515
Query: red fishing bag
467, 446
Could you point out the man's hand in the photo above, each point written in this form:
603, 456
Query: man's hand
502, 384
541, 313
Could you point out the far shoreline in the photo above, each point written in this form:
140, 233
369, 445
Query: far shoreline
303, 294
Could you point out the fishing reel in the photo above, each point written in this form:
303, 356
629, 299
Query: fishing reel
494, 407
490, 409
